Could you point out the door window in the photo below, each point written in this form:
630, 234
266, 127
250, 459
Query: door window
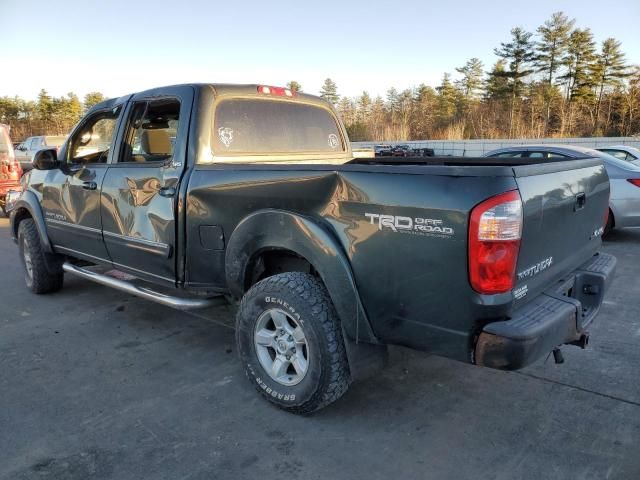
91, 143
151, 131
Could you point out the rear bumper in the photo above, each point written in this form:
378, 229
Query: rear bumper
559, 316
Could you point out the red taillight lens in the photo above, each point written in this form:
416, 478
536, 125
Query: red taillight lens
277, 91
635, 181
495, 230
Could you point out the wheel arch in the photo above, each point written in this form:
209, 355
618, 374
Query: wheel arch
294, 235
28, 206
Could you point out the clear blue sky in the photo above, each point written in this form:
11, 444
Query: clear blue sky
121, 46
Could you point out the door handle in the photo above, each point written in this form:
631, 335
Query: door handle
167, 191
89, 185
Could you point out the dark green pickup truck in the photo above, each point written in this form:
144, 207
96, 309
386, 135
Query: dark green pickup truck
251, 193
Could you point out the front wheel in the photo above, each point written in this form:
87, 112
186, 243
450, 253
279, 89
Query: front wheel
290, 342
42, 273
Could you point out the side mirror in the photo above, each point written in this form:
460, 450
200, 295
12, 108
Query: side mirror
46, 159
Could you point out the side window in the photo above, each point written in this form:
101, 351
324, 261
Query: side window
151, 131
508, 155
536, 155
559, 156
36, 143
618, 154
91, 143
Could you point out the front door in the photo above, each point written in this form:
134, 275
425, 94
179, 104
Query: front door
140, 188
71, 194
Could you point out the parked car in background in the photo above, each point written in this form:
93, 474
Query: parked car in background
382, 150
623, 152
624, 176
10, 171
402, 151
26, 150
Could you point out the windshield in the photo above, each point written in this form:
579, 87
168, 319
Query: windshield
262, 127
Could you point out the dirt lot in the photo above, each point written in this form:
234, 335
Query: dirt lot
96, 384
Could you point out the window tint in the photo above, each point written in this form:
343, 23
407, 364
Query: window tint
537, 154
508, 155
251, 126
91, 143
557, 155
151, 131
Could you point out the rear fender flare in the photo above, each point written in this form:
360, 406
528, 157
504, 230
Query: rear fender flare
276, 229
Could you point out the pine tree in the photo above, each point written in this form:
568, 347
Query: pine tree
91, 99
551, 48
497, 84
608, 70
520, 54
294, 86
329, 91
579, 62
471, 82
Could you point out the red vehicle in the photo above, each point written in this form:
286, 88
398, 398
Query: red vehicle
10, 169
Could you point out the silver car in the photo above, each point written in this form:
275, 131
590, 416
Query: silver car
624, 176
623, 152
26, 150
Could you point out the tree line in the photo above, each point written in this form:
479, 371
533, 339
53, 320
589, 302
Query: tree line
45, 116
556, 82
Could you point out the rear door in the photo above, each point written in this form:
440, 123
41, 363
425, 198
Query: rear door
140, 189
564, 208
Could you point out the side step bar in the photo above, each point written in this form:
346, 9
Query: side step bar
168, 300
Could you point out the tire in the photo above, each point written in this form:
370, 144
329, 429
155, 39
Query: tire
299, 303
610, 224
43, 272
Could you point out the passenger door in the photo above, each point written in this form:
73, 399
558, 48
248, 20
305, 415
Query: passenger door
140, 189
71, 194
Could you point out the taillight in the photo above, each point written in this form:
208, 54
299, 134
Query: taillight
635, 181
277, 91
495, 230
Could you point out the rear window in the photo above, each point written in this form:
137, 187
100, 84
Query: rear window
254, 127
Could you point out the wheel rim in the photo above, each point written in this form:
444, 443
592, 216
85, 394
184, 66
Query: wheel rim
28, 263
281, 346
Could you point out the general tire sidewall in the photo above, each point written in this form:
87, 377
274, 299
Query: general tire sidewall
23, 244
251, 309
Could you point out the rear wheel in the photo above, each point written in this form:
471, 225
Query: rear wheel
610, 223
290, 342
42, 272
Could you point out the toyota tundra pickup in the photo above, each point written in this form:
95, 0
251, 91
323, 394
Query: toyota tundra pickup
190, 194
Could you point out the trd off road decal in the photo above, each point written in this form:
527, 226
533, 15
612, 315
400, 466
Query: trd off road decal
431, 227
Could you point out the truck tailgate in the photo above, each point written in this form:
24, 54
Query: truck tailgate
564, 208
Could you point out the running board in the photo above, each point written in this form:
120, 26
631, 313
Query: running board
142, 292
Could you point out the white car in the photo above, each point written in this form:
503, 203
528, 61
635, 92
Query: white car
623, 152
27, 149
624, 177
